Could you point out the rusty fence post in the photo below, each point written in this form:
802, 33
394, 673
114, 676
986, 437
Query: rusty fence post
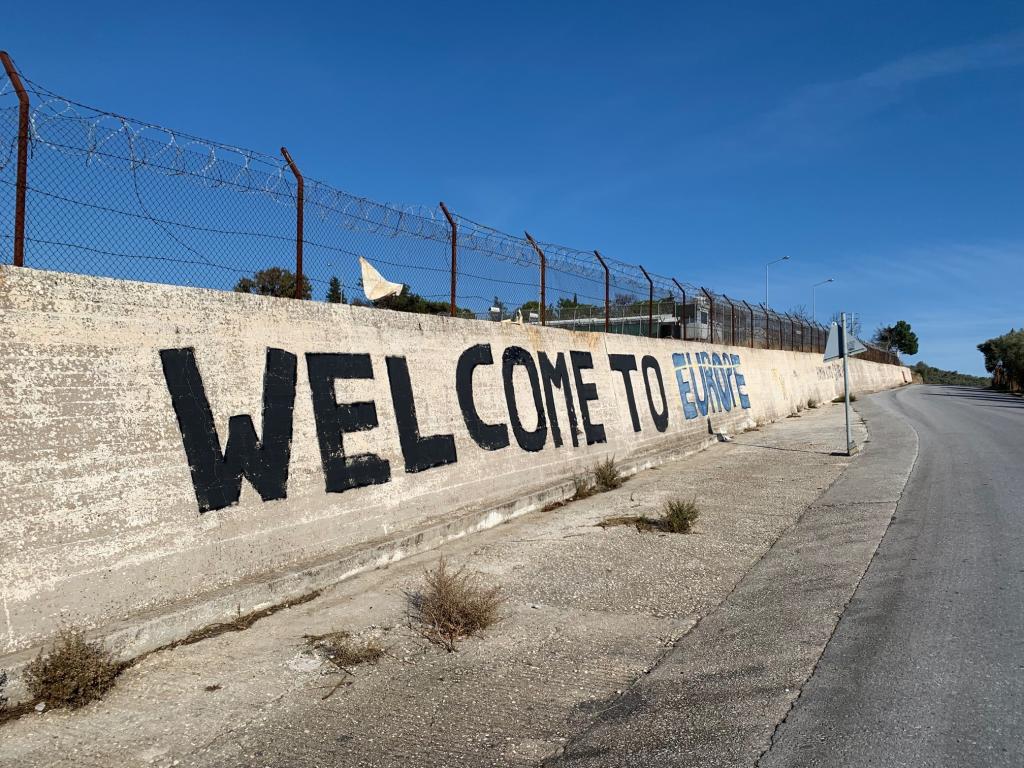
683, 314
732, 317
751, 310
764, 311
711, 315
650, 302
21, 182
455, 240
543, 269
300, 205
607, 303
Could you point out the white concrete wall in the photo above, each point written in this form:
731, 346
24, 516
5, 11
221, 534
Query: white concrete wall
99, 517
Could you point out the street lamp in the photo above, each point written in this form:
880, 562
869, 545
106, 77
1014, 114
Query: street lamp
784, 258
814, 314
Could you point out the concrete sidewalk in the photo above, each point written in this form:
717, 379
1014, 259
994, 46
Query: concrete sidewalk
590, 611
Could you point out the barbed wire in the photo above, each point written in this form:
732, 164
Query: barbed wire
107, 190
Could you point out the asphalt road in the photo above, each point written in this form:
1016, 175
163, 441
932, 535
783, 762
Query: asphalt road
926, 666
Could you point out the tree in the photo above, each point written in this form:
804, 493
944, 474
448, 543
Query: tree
1004, 359
899, 337
800, 313
407, 301
335, 293
274, 281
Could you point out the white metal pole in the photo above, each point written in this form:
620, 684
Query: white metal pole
846, 384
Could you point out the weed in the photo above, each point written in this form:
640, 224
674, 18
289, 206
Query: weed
606, 475
812, 403
74, 673
3, 685
677, 516
452, 605
584, 487
212, 688
343, 651
841, 399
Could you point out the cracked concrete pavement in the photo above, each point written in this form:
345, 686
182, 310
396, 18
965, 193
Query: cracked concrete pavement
590, 613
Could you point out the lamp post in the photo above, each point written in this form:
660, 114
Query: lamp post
784, 258
814, 314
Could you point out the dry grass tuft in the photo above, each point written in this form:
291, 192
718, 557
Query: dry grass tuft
343, 651
678, 516
453, 605
812, 403
74, 673
606, 475
584, 487
841, 399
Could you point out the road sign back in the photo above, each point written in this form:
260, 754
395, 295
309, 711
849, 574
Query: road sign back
834, 345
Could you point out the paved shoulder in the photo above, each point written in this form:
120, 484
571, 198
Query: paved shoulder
716, 699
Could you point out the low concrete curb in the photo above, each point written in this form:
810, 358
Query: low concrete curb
151, 631
719, 695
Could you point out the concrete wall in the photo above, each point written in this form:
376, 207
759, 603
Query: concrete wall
105, 386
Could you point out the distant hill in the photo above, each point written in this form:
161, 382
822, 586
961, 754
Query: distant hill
939, 376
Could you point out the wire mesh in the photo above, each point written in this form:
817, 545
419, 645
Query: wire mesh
113, 196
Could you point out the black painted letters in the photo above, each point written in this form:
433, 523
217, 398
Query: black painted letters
490, 437
420, 453
217, 477
334, 419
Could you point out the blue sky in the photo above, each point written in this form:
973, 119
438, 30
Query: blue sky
879, 143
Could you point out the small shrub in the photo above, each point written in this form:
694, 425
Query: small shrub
74, 673
606, 475
343, 651
679, 515
812, 403
841, 399
453, 605
584, 487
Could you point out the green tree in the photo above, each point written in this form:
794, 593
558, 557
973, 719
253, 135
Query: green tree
335, 294
931, 375
407, 301
1004, 359
274, 281
899, 337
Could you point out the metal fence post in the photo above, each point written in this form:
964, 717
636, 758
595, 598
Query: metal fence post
751, 310
732, 317
543, 269
455, 239
683, 318
21, 182
607, 303
711, 315
650, 301
300, 205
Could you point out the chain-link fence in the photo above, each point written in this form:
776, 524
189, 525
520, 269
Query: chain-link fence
103, 194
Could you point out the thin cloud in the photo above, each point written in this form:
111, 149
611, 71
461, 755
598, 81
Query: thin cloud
817, 112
